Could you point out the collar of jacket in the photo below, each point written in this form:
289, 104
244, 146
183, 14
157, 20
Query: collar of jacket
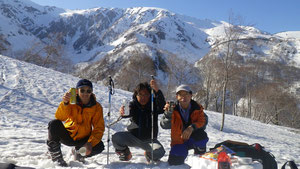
194, 106
136, 102
90, 104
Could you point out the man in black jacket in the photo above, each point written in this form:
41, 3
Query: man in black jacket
140, 129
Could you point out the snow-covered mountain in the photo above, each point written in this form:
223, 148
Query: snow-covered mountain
29, 96
109, 36
20, 19
96, 32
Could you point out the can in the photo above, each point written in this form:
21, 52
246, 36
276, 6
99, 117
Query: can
168, 114
73, 96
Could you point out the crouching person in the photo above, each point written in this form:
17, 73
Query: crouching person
83, 127
140, 129
187, 127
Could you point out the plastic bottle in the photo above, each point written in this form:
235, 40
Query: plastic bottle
224, 161
126, 106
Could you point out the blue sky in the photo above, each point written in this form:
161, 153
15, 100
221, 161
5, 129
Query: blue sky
268, 15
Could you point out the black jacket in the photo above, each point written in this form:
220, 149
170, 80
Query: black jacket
141, 119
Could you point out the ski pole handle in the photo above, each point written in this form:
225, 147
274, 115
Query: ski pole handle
111, 85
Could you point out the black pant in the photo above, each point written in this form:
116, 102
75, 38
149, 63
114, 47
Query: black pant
58, 133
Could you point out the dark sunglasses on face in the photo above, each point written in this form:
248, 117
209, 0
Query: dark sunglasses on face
87, 91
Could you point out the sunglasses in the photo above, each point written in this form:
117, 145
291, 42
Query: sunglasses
87, 91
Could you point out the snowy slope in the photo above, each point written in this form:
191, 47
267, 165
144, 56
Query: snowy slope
20, 18
289, 34
29, 96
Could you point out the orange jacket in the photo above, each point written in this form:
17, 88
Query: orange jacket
82, 122
196, 119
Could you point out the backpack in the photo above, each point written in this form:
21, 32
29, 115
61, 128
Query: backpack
255, 151
12, 166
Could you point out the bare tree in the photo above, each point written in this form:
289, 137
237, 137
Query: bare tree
3, 44
207, 73
230, 46
181, 71
53, 50
48, 54
139, 68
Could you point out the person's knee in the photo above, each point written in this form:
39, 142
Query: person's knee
97, 149
54, 124
116, 138
201, 143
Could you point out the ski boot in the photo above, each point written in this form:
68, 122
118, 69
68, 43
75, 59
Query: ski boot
55, 152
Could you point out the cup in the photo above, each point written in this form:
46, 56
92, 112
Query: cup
82, 151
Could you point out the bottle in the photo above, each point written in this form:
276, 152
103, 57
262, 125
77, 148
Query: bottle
73, 96
223, 161
125, 103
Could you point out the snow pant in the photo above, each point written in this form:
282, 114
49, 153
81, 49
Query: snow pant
179, 152
57, 133
123, 140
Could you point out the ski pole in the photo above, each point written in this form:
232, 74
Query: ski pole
110, 92
152, 117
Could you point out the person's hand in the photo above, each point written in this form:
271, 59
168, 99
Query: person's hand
154, 85
167, 105
88, 147
66, 97
187, 133
122, 110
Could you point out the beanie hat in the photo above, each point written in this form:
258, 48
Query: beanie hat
84, 82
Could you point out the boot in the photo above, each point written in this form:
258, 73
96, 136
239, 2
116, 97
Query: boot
148, 158
55, 152
199, 151
124, 155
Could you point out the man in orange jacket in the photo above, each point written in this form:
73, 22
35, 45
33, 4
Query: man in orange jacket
187, 127
83, 127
